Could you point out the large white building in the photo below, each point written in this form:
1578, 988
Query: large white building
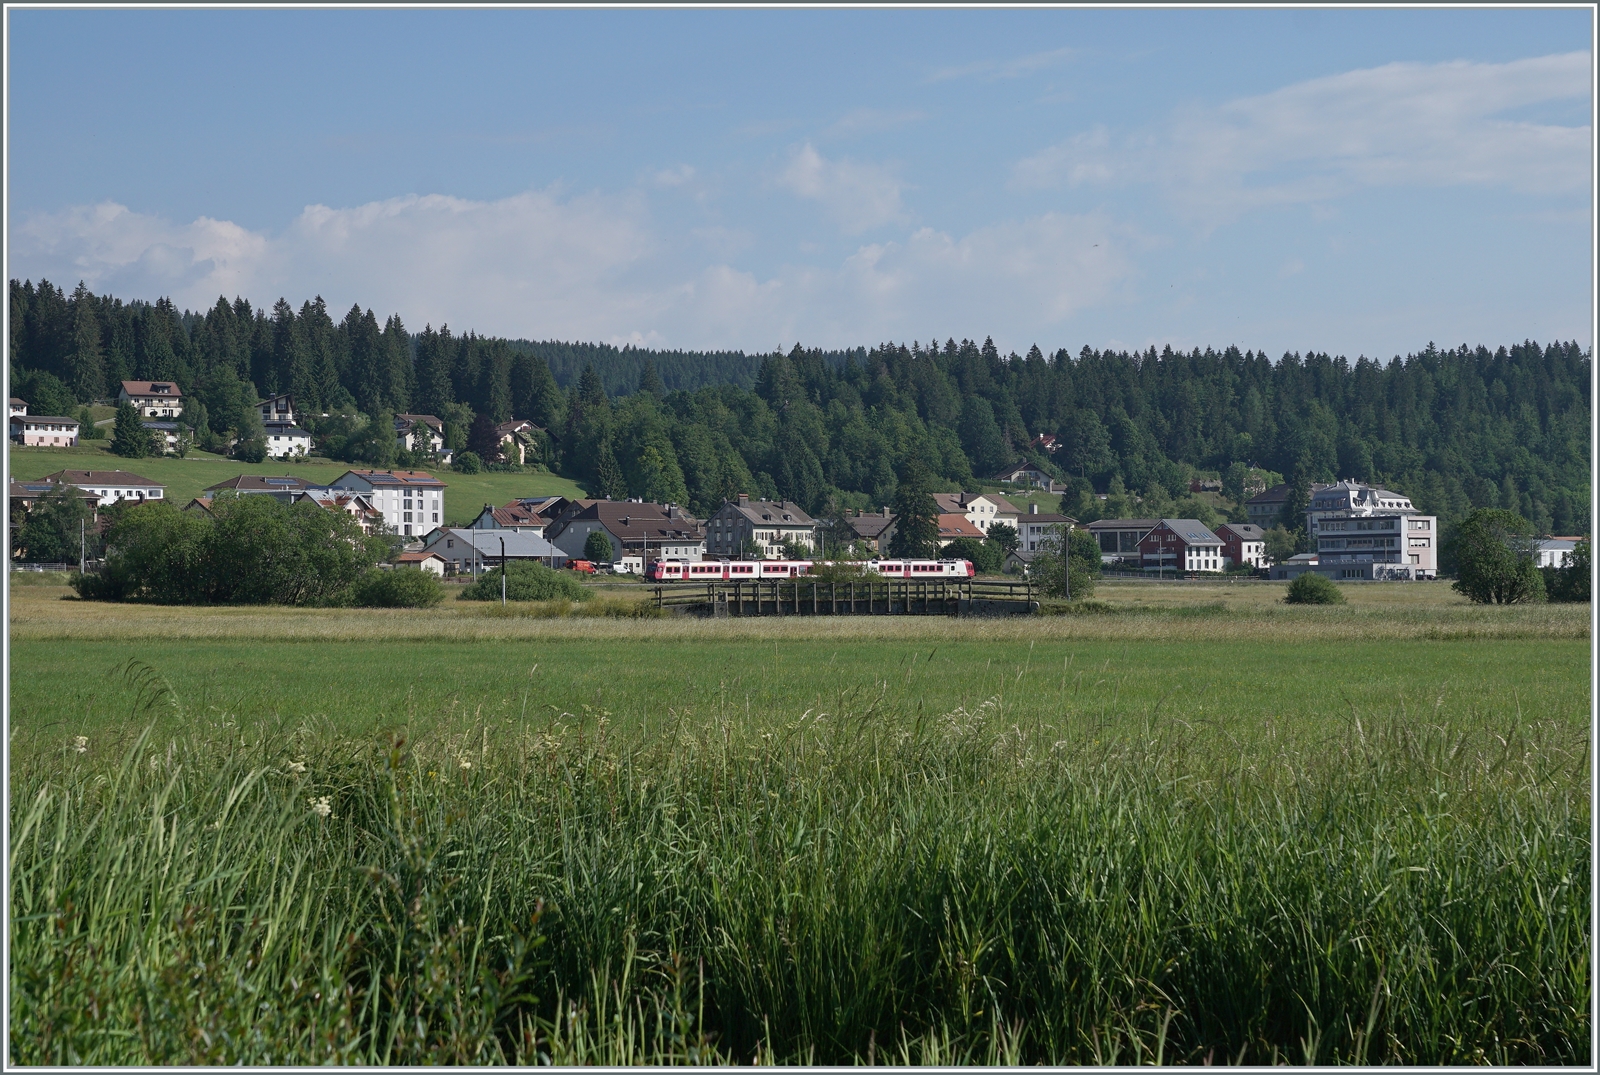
1351, 498
152, 399
412, 502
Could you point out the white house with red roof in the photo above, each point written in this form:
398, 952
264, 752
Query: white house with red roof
152, 399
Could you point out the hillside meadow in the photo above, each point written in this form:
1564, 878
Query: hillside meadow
1187, 823
187, 478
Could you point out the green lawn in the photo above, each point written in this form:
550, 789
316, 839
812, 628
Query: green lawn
185, 478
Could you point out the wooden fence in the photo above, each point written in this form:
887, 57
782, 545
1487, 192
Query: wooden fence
867, 597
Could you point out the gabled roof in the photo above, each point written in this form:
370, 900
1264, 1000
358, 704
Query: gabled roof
957, 502
1048, 517
263, 483
32, 490
1248, 531
417, 557
1123, 524
83, 478
487, 542
393, 479
545, 507
512, 515
778, 513
1276, 495
151, 388
629, 520
284, 429
1015, 469
26, 419
406, 421
955, 525
870, 525
1192, 531
516, 425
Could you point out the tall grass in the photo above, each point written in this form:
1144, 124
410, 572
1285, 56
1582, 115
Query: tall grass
839, 887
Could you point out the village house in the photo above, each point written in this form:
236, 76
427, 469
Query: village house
1265, 507
285, 440
1119, 538
1555, 551
411, 501
512, 516
422, 561
876, 528
518, 440
1045, 442
25, 493
279, 408
638, 531
1028, 474
1038, 527
43, 430
1243, 544
18, 407
953, 526
982, 510
284, 487
167, 435
1181, 546
109, 485
472, 552
768, 523
152, 399
418, 433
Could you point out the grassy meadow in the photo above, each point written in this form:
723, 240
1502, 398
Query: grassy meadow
1190, 824
465, 494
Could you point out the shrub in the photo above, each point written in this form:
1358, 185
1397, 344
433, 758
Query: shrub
1569, 583
527, 581
1494, 559
1313, 589
597, 547
986, 556
403, 587
469, 463
251, 450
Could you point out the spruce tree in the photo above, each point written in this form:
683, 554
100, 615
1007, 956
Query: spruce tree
608, 475
132, 438
916, 516
650, 381
86, 370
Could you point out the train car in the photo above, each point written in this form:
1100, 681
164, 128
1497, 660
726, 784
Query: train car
750, 570
922, 569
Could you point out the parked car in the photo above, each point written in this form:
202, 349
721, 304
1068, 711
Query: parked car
582, 566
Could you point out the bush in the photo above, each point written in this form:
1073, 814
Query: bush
252, 450
1569, 583
251, 550
986, 556
527, 581
469, 463
1313, 589
597, 547
402, 587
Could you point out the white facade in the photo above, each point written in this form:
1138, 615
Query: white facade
982, 510
1377, 545
286, 440
766, 522
412, 502
44, 431
1554, 552
152, 399
472, 552
110, 485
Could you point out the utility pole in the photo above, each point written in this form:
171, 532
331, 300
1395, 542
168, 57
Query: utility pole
83, 546
502, 572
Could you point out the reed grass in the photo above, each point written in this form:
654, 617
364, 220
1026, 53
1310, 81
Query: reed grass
853, 885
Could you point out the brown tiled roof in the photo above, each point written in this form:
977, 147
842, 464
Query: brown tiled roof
147, 388
632, 521
871, 524
952, 525
266, 483
409, 420
773, 512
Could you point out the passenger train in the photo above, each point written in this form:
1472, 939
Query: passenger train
742, 570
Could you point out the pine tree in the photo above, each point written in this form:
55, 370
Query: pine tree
650, 381
132, 438
916, 516
608, 474
86, 372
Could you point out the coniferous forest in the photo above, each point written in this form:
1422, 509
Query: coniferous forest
1474, 426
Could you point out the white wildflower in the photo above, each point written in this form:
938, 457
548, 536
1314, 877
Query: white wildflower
465, 764
321, 806
80, 743
297, 767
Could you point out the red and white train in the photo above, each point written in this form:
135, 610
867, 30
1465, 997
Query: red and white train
741, 570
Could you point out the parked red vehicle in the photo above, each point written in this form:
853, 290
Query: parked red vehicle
584, 566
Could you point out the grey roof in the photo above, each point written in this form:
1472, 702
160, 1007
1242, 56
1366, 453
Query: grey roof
1248, 531
870, 524
1123, 524
519, 545
1276, 495
772, 512
1193, 531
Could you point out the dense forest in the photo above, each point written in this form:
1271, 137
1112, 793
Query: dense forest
1452, 428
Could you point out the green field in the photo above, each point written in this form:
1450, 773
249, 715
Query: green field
1196, 825
465, 494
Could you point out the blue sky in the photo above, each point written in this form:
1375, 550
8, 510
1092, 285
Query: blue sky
1354, 181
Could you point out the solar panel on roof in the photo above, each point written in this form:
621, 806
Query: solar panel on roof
282, 481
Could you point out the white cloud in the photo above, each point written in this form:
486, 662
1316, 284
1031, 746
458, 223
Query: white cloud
862, 121
857, 196
592, 268
1013, 68
673, 177
1399, 124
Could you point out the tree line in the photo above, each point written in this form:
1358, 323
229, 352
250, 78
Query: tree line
1455, 429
